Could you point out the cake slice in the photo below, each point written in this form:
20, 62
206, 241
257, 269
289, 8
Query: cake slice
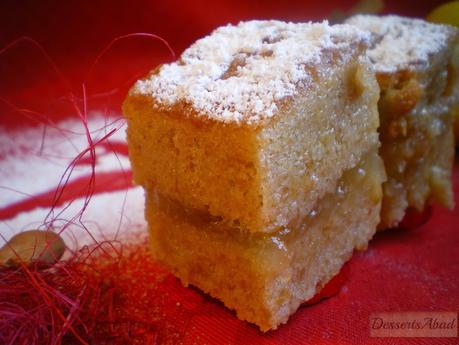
255, 123
257, 150
418, 76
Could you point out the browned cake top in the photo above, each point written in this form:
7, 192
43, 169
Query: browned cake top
239, 73
403, 43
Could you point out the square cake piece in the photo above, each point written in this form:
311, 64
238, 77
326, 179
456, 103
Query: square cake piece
255, 123
258, 153
418, 77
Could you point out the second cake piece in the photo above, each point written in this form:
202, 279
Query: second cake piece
419, 80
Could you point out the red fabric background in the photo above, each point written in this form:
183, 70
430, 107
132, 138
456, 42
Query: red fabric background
73, 32
415, 270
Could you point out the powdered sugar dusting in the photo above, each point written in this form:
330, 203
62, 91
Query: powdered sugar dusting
30, 165
403, 43
240, 73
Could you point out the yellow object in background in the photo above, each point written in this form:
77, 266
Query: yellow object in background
445, 14
448, 14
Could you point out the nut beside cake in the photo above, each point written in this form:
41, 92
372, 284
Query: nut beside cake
257, 150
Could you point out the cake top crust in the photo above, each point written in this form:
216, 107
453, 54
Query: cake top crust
401, 43
239, 73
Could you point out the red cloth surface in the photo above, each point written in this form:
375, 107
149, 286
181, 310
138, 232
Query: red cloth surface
414, 270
